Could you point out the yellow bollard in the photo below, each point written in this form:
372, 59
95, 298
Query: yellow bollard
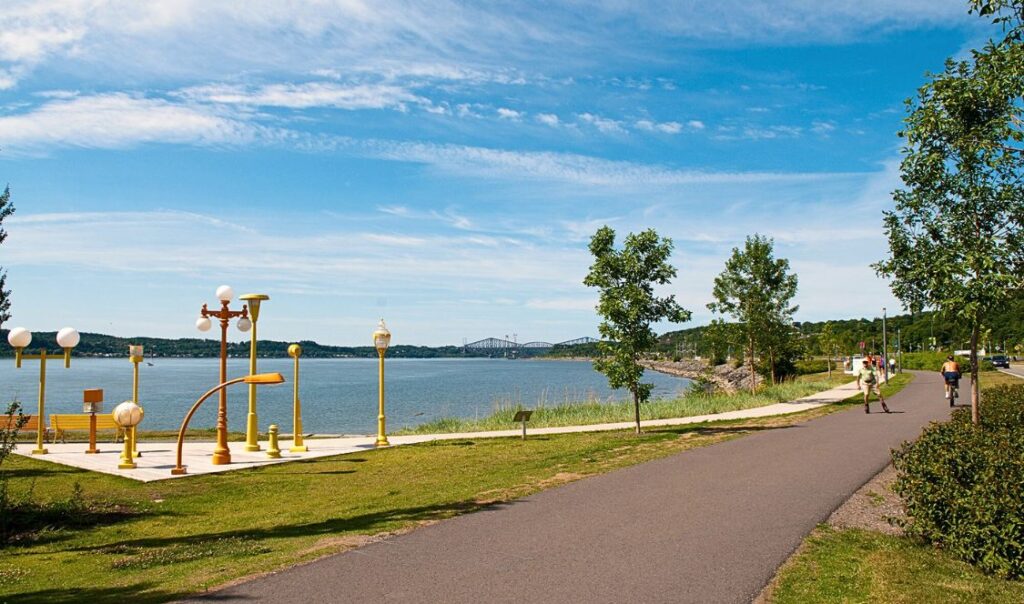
273, 451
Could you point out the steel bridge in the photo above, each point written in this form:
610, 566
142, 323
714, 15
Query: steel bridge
505, 344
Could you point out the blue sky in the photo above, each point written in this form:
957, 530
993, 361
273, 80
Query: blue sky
443, 164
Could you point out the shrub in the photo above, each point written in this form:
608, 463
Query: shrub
808, 366
963, 486
932, 361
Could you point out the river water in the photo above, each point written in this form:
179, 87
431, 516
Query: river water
339, 396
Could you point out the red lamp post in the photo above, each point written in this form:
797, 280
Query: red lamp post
221, 453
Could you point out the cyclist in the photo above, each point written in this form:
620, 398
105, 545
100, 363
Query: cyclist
951, 373
867, 378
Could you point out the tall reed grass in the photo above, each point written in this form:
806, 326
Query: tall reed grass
594, 411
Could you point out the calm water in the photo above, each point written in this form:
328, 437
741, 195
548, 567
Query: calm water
338, 395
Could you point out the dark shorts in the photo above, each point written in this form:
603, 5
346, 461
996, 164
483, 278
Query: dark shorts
952, 378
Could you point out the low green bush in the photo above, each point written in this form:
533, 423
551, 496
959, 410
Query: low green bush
932, 361
809, 366
963, 486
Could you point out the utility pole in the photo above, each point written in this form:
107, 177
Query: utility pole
885, 348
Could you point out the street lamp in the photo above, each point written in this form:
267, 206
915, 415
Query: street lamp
252, 425
381, 340
135, 356
19, 338
128, 415
258, 379
221, 453
298, 446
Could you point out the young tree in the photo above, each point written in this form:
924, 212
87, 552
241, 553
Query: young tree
827, 344
956, 235
6, 209
628, 304
756, 289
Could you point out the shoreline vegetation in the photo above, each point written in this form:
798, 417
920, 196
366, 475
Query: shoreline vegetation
695, 402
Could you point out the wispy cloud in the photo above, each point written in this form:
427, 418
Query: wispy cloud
309, 94
603, 124
117, 121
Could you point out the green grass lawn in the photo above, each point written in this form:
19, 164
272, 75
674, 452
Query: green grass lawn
865, 566
101, 538
583, 413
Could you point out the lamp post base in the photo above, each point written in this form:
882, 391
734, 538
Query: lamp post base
126, 466
382, 442
299, 449
40, 451
179, 471
221, 458
92, 451
251, 433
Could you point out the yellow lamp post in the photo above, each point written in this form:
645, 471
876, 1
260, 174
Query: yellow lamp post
19, 338
128, 415
252, 424
258, 379
135, 356
298, 446
381, 341
221, 453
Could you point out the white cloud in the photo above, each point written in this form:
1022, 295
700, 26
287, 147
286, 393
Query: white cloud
548, 119
695, 124
310, 94
115, 121
822, 128
603, 124
509, 114
665, 127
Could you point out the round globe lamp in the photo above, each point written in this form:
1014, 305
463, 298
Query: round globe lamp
127, 415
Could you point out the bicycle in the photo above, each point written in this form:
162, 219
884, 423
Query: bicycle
953, 385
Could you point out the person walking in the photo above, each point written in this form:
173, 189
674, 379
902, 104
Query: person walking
867, 379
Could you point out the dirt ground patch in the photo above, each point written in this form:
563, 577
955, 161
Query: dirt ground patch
873, 507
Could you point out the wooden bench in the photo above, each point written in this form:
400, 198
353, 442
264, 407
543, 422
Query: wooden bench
80, 422
31, 424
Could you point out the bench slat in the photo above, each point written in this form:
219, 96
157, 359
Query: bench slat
78, 421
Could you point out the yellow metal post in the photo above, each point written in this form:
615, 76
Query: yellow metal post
40, 449
252, 421
298, 446
135, 399
273, 451
382, 438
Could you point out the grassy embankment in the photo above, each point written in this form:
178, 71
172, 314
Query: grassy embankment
101, 538
855, 565
594, 412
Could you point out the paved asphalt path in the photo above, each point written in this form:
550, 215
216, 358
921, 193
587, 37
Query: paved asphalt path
707, 525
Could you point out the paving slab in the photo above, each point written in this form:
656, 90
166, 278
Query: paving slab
157, 458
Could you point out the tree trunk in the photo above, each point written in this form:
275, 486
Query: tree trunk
636, 410
750, 351
975, 389
771, 364
828, 361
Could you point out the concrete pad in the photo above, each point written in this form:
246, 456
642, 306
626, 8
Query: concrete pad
157, 458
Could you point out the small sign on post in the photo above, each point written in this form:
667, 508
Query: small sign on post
92, 403
862, 344
523, 416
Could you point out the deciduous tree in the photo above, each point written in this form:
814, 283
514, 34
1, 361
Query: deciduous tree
956, 235
6, 209
626, 279
757, 290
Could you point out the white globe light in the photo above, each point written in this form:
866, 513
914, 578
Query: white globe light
68, 337
203, 324
225, 293
19, 337
244, 324
127, 414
